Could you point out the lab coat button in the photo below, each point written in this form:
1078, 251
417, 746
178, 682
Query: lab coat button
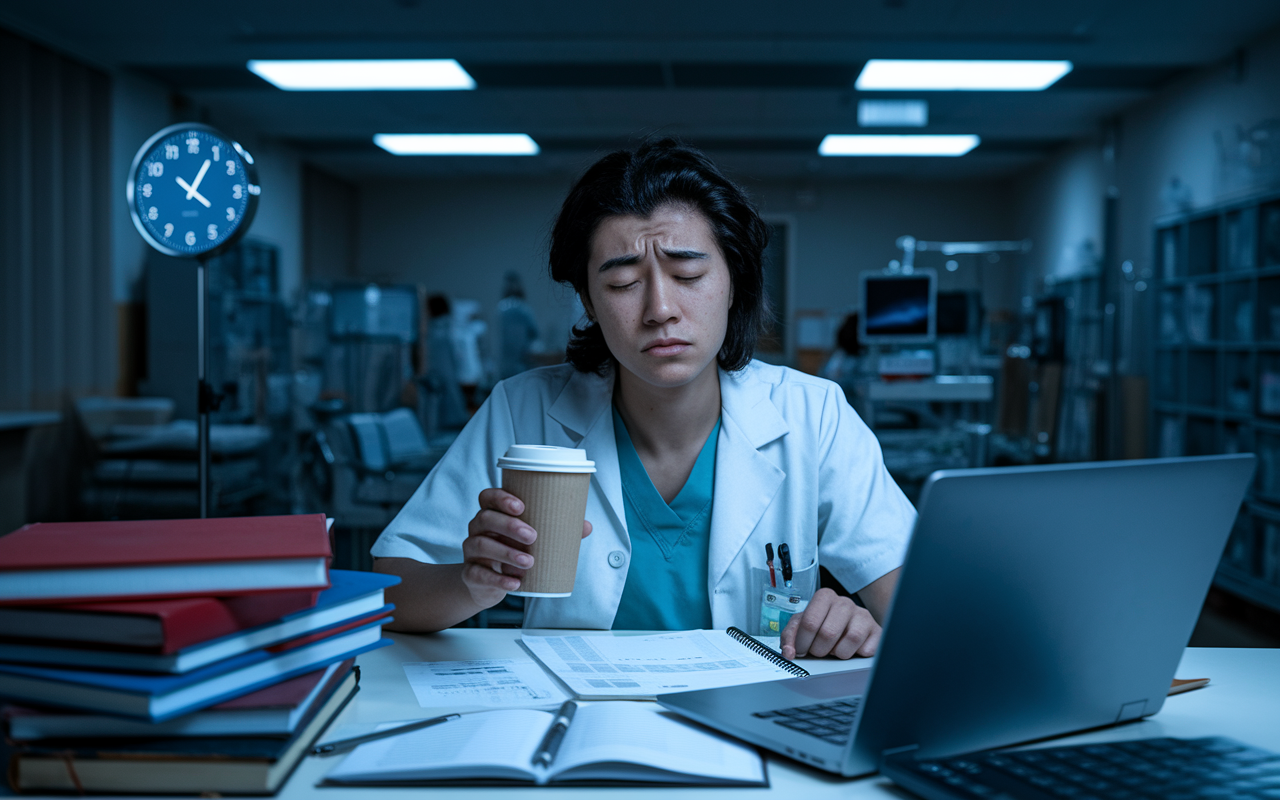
617, 558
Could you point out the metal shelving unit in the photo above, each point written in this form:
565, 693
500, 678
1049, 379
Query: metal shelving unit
1216, 370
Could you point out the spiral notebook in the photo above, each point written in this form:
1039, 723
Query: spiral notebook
603, 667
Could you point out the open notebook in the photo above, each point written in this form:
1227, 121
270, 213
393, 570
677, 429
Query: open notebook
606, 743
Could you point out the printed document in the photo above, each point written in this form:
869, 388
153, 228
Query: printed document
637, 667
492, 683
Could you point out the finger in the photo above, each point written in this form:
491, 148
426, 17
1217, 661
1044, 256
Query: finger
477, 576
832, 627
811, 620
501, 500
855, 634
788, 641
586, 529
487, 548
872, 642
491, 522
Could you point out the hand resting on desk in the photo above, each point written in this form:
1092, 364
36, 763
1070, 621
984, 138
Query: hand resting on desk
832, 625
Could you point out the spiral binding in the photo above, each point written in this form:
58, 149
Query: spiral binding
767, 653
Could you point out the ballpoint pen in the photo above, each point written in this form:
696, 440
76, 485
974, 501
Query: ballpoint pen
784, 555
768, 554
546, 752
343, 745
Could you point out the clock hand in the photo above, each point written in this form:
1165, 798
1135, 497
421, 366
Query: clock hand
199, 177
192, 193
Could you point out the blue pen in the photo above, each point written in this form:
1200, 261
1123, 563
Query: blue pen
784, 555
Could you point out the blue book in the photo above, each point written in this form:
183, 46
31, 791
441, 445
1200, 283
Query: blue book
351, 595
161, 697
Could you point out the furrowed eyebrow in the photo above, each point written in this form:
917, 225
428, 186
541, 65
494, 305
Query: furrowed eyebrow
693, 254
620, 261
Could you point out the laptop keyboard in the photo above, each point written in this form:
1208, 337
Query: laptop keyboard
831, 722
1169, 769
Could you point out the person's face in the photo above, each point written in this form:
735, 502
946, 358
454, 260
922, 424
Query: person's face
661, 291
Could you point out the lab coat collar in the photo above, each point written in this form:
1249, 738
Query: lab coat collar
746, 481
583, 409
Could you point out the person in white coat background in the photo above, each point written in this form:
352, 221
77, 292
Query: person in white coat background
703, 455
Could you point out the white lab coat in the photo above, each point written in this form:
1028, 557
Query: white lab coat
794, 463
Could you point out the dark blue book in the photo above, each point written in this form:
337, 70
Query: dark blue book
161, 697
352, 595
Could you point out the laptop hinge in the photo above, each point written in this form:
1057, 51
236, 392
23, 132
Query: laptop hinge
893, 751
1132, 710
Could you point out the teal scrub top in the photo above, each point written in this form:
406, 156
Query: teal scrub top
666, 587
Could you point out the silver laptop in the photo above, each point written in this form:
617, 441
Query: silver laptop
1034, 601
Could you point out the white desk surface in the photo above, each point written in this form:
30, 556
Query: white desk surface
1243, 702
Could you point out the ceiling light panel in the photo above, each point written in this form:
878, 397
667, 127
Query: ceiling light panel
457, 144
960, 76
899, 145
893, 113
364, 75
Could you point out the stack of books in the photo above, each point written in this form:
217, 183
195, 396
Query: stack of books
176, 656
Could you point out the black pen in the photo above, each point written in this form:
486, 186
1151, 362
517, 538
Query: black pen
546, 752
346, 744
784, 555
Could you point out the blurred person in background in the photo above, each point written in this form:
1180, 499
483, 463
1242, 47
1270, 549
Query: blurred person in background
466, 333
517, 328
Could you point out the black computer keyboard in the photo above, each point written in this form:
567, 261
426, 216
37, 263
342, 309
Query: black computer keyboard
1168, 769
831, 722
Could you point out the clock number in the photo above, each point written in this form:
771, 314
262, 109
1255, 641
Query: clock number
155, 169
216, 151
152, 213
237, 191
190, 238
231, 214
146, 190
212, 232
231, 167
171, 152
168, 229
193, 145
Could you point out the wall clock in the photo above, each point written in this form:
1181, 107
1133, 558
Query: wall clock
192, 191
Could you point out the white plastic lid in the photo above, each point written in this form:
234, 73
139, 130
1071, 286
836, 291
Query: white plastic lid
545, 458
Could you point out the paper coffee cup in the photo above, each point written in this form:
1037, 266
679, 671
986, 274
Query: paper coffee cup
552, 483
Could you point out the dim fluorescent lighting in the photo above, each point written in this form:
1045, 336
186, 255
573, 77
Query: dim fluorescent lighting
904, 145
893, 113
457, 144
960, 76
369, 75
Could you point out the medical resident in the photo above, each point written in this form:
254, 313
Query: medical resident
703, 455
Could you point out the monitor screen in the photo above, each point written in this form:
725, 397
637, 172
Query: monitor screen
898, 308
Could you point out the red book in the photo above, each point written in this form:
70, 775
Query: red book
68, 562
159, 626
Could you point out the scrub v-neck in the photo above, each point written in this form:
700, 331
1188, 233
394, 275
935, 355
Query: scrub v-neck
666, 587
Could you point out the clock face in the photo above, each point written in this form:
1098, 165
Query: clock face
192, 191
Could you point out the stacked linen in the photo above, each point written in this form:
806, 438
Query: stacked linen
212, 652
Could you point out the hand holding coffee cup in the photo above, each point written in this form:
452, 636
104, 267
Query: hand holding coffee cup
500, 546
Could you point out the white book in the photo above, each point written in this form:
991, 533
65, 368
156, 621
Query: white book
604, 743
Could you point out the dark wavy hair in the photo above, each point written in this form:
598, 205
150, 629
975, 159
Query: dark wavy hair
636, 183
